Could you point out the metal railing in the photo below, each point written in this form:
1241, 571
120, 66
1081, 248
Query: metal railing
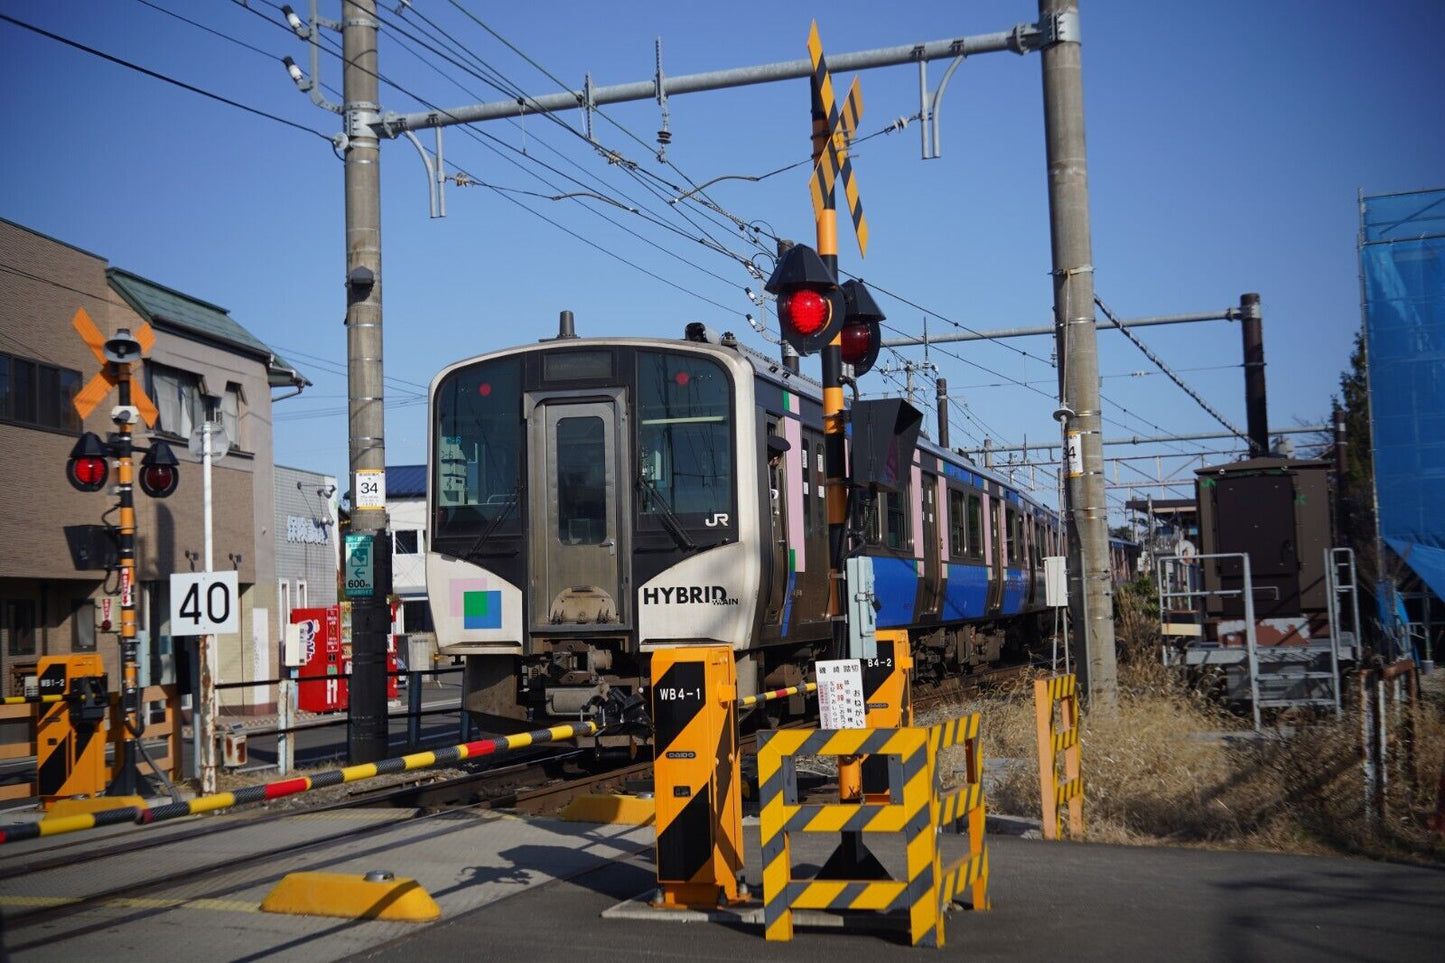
1248, 595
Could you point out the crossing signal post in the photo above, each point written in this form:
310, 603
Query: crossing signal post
87, 471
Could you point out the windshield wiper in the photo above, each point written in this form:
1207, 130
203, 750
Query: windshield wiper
492, 526
669, 520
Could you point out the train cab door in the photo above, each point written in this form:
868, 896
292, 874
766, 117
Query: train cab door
579, 500
930, 586
997, 549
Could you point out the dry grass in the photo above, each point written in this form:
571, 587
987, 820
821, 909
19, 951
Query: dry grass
1168, 767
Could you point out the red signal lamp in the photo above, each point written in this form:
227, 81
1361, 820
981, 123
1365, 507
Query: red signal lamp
857, 339
807, 311
862, 336
88, 466
160, 472
810, 304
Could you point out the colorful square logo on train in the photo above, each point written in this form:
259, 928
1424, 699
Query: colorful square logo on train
482, 610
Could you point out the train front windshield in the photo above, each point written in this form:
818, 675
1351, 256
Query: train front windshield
675, 467
478, 451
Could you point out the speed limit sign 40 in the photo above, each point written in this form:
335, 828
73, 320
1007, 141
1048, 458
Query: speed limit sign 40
205, 603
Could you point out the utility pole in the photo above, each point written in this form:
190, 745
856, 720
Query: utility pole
370, 615
1091, 601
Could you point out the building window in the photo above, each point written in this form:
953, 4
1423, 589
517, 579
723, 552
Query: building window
43, 395
230, 416
82, 637
19, 627
416, 616
406, 541
178, 399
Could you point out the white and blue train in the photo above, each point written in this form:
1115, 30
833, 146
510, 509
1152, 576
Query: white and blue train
592, 499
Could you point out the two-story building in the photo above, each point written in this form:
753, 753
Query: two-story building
203, 365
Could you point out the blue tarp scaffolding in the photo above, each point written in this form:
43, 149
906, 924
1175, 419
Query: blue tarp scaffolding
1402, 259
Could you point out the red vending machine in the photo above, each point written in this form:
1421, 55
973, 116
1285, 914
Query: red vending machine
325, 657
391, 680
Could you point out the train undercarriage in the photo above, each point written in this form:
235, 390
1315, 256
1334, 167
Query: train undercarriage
598, 679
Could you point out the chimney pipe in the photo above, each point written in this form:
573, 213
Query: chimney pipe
1256, 412
942, 402
565, 328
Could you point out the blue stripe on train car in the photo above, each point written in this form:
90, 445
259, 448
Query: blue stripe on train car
1014, 584
788, 604
895, 583
966, 593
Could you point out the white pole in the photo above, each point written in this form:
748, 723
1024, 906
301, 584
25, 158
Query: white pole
207, 653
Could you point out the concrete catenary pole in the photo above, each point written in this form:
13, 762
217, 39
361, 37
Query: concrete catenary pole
1091, 601
1255, 406
370, 615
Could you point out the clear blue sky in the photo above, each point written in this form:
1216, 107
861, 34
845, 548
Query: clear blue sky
1227, 143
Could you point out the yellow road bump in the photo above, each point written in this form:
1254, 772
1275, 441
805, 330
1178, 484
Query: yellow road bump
81, 807
615, 810
351, 897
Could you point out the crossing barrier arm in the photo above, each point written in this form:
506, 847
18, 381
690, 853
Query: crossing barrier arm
748, 701
290, 787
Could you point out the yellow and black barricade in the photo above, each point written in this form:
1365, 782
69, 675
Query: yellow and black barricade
696, 778
963, 803
1055, 740
914, 810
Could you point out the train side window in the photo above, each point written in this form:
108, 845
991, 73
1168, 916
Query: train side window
893, 510
1015, 538
957, 525
975, 526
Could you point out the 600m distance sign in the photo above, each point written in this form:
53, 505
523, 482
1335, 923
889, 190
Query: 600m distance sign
205, 603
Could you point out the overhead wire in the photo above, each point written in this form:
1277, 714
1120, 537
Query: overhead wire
156, 75
502, 84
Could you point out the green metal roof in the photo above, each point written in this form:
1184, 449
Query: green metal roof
181, 313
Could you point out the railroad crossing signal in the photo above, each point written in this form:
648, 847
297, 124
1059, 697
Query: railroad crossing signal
810, 303
99, 386
833, 159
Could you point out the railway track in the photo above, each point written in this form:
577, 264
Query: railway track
542, 783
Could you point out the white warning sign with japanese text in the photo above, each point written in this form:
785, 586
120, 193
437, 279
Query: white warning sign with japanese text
840, 694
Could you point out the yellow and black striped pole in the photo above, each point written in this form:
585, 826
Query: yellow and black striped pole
127, 779
852, 855
300, 784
